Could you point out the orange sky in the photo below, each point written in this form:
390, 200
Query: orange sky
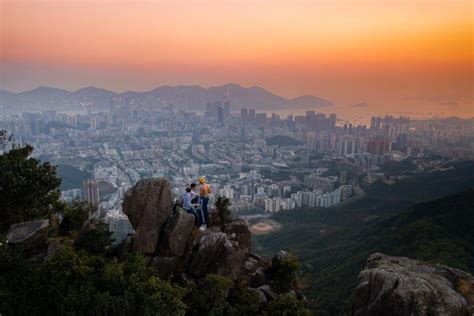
375, 51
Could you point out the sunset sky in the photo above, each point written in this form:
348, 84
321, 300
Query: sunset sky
387, 53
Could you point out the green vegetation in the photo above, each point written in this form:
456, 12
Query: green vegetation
287, 305
282, 140
333, 244
284, 272
28, 188
222, 206
210, 296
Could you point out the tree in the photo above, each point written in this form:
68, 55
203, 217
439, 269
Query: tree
222, 205
75, 215
28, 188
94, 237
287, 305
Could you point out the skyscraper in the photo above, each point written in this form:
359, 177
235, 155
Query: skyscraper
90, 192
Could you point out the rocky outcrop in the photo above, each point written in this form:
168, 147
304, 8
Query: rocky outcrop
176, 233
401, 286
29, 235
213, 252
176, 250
148, 205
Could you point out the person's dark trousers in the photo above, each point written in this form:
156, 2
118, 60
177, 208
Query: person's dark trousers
204, 202
197, 218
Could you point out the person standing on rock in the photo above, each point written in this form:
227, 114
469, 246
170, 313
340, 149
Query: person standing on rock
204, 192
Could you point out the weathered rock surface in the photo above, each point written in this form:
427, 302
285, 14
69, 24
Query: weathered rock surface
214, 253
402, 286
268, 292
175, 234
29, 235
54, 247
148, 204
239, 234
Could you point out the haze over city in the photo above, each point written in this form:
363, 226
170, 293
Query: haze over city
408, 56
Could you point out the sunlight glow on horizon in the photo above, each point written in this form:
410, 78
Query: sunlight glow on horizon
345, 50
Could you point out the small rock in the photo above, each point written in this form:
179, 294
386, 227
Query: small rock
251, 265
54, 247
258, 278
28, 235
268, 292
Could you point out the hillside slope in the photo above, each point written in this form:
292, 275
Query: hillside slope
333, 244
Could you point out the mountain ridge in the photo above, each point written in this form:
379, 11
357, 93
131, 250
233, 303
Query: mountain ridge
189, 97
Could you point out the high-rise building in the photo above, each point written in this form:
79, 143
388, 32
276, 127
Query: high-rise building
90, 192
244, 113
251, 117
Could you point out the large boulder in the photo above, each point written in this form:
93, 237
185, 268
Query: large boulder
29, 235
175, 234
402, 286
213, 252
148, 204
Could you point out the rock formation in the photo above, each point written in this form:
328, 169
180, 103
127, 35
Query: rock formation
148, 204
29, 235
177, 250
402, 286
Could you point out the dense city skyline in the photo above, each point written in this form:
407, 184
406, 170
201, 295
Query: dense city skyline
393, 54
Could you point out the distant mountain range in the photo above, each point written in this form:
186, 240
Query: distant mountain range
183, 97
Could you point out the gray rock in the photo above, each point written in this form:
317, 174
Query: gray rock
165, 266
239, 234
214, 253
251, 265
258, 278
175, 234
148, 204
402, 286
29, 235
54, 247
268, 292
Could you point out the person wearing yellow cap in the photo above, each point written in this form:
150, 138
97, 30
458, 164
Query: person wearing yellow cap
204, 192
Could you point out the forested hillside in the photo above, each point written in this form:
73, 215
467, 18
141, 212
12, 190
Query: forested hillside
333, 244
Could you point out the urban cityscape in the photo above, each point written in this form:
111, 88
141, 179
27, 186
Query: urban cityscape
262, 162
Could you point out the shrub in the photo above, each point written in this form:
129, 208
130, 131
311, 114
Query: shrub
222, 205
210, 296
94, 237
75, 215
284, 274
287, 305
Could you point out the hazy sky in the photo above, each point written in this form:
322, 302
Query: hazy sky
384, 52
